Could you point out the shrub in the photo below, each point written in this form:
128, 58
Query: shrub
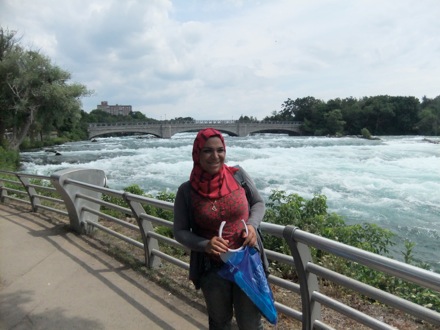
312, 216
151, 210
308, 215
366, 133
9, 159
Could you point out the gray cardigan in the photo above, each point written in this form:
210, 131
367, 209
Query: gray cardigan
185, 231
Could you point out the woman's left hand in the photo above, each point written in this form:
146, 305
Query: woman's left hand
251, 237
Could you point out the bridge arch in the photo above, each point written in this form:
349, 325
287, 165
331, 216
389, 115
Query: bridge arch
125, 132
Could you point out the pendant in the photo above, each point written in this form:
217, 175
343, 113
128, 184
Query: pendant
213, 208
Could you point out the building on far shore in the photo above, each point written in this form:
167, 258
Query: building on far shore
117, 110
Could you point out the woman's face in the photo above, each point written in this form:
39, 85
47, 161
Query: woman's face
212, 155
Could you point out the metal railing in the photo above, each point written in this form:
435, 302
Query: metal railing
31, 189
82, 191
191, 122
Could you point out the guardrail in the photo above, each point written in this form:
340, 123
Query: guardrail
191, 122
81, 192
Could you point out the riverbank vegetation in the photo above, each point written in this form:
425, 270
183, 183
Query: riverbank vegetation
380, 115
9, 159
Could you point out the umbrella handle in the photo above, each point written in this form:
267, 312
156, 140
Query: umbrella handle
220, 232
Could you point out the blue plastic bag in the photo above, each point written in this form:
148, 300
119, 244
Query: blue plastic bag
244, 267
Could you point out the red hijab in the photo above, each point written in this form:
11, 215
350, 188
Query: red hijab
207, 185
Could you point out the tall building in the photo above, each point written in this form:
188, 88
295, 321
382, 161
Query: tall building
117, 110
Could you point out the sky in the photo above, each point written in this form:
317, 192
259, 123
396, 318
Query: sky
221, 59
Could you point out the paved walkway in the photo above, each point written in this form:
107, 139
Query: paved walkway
50, 278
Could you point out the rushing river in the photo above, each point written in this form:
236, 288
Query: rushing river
393, 182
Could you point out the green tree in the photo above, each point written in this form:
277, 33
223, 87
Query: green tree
7, 45
429, 116
334, 122
308, 110
247, 119
35, 94
351, 114
407, 109
378, 114
183, 119
101, 116
389, 115
276, 116
138, 116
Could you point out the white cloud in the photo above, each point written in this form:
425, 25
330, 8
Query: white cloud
220, 59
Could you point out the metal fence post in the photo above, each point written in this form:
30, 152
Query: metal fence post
308, 282
33, 195
145, 226
74, 205
3, 192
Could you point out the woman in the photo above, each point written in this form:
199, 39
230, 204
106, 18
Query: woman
213, 195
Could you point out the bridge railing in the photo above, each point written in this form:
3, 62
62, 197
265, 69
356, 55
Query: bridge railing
191, 122
88, 201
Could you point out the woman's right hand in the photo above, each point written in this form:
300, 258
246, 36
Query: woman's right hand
216, 246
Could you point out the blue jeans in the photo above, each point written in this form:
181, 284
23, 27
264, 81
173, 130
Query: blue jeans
222, 297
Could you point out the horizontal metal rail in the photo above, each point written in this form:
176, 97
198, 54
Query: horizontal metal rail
288, 311
115, 207
379, 295
116, 234
17, 199
107, 191
52, 199
170, 259
48, 208
283, 258
164, 239
14, 182
42, 187
33, 176
157, 221
350, 312
285, 284
318, 325
150, 201
111, 218
389, 266
15, 191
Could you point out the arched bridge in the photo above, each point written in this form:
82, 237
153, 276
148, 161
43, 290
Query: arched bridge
168, 129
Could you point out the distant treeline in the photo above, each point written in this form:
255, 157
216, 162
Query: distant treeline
380, 115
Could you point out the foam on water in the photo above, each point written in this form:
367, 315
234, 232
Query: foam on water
394, 182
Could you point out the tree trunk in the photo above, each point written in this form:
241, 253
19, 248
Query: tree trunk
23, 131
2, 134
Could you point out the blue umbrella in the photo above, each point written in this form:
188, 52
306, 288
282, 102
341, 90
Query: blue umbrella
243, 266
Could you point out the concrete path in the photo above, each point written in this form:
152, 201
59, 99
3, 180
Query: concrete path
51, 278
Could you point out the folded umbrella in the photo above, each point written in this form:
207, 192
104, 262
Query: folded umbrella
243, 266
